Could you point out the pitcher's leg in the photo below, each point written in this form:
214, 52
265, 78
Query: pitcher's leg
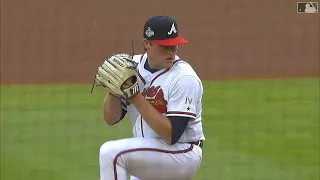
162, 164
108, 152
113, 162
154, 159
134, 178
147, 159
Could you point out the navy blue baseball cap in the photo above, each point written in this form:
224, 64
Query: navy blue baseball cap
163, 30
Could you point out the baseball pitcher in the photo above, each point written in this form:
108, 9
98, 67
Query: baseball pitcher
162, 95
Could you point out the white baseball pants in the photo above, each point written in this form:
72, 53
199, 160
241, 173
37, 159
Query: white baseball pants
148, 159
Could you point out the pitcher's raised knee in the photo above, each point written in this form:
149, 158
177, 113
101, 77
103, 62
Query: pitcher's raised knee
108, 151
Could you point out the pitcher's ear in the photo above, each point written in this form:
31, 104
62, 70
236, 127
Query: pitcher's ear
146, 44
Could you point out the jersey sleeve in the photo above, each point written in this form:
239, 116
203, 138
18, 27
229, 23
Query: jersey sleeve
137, 58
183, 97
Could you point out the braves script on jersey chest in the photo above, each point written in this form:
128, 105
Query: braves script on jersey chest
155, 96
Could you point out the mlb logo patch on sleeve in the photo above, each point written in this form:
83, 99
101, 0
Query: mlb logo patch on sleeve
307, 7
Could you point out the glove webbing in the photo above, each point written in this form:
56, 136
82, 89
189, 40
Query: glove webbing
94, 79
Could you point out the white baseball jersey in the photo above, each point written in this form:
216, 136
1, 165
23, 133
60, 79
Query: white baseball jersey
173, 92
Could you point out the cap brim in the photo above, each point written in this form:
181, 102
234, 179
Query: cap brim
171, 42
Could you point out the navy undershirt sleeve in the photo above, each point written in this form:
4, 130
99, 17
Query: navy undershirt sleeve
123, 114
178, 124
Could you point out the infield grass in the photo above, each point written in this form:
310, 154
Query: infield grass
255, 130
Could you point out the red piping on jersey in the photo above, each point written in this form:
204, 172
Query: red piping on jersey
141, 126
179, 112
146, 149
144, 81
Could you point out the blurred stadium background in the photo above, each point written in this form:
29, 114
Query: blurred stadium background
259, 61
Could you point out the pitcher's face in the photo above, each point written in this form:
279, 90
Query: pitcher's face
160, 57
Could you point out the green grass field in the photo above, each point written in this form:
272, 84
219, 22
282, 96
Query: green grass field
255, 130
